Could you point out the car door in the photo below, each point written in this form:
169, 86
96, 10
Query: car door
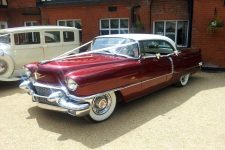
52, 44
27, 48
156, 63
185, 59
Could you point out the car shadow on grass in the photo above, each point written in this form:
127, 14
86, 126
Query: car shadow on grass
126, 117
9, 88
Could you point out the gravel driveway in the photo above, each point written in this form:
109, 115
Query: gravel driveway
192, 117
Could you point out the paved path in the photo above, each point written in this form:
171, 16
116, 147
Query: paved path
192, 117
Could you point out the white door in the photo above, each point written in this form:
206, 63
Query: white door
70, 40
27, 48
52, 44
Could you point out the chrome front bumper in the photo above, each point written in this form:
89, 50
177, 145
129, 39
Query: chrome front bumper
59, 100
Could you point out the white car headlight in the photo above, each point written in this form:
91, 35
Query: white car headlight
3, 67
71, 84
27, 72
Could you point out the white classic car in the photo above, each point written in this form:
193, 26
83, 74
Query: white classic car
22, 45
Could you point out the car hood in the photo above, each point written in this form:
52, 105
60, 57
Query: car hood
79, 63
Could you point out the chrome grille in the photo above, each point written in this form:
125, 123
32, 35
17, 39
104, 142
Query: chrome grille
43, 91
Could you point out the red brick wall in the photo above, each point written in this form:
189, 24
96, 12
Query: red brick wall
18, 12
211, 43
169, 10
21, 3
89, 16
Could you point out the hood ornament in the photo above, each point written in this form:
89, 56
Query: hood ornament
38, 75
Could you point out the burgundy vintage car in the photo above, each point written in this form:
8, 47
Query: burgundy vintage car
114, 68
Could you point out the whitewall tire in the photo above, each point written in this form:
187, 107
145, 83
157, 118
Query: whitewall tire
9, 64
184, 80
102, 107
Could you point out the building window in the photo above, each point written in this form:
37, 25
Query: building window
30, 23
27, 38
114, 26
72, 23
176, 30
3, 3
3, 25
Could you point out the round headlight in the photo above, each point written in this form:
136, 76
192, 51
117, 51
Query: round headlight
71, 84
27, 72
3, 67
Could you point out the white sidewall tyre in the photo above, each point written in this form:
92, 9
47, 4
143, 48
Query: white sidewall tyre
106, 115
184, 79
10, 66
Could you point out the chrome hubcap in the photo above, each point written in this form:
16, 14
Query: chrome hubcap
101, 104
3, 67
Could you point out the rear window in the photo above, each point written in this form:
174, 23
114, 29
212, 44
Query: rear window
52, 36
27, 38
68, 36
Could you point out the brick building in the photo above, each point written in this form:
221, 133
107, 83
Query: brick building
190, 23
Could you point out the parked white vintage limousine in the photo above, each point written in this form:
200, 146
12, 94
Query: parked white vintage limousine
22, 45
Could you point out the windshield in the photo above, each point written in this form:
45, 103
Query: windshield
121, 47
116, 46
4, 38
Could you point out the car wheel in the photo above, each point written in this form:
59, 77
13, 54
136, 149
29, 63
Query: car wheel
183, 80
8, 63
102, 107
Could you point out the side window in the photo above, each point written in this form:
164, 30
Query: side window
52, 36
152, 47
27, 38
68, 36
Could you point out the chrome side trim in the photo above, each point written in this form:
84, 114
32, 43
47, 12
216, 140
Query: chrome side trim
172, 64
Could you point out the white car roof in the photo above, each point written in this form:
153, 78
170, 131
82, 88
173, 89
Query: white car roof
34, 28
141, 37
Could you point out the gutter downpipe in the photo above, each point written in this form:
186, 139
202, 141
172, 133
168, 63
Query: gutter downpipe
150, 16
190, 11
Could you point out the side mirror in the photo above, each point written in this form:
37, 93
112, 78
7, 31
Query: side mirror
176, 52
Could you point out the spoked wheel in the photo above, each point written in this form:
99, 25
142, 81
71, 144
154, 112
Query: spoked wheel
184, 80
102, 107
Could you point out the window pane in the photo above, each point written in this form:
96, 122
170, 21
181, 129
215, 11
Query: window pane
170, 27
104, 24
27, 38
114, 23
78, 24
182, 31
4, 38
171, 36
114, 31
159, 28
104, 32
52, 37
123, 31
123, 23
68, 36
69, 24
61, 23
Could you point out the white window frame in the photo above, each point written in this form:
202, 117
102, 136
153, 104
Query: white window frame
164, 32
73, 20
111, 29
4, 23
31, 22
4, 3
